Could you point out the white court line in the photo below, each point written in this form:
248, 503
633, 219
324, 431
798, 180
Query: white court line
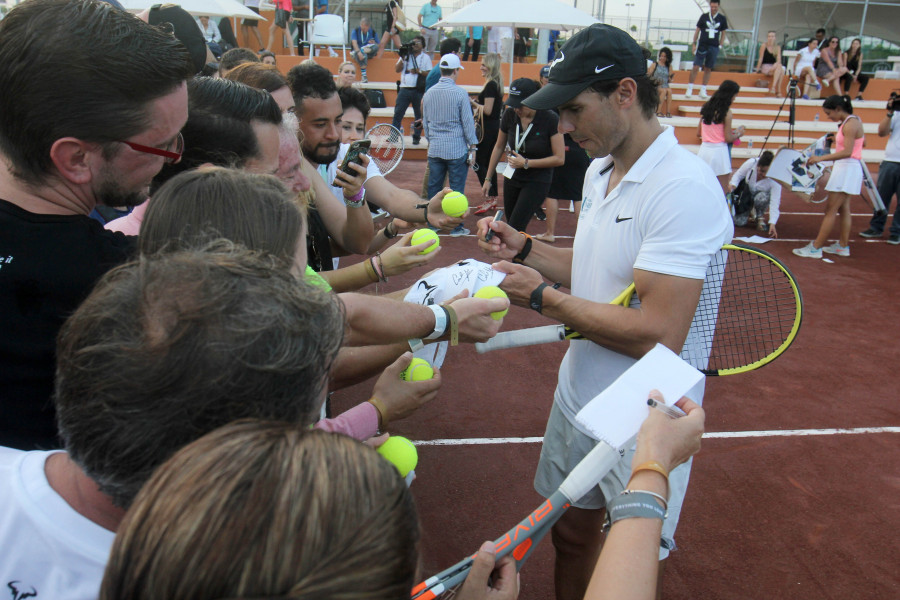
710, 435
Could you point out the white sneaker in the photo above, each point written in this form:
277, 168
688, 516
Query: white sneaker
836, 248
704, 96
809, 251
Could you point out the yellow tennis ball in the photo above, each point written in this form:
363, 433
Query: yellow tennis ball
454, 204
401, 453
424, 235
418, 370
492, 291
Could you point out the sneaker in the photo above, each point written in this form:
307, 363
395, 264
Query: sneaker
540, 215
894, 240
837, 249
458, 231
870, 233
808, 251
761, 225
804, 97
704, 96
365, 79
818, 86
415, 141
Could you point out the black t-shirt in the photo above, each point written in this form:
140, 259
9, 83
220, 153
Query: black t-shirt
492, 90
536, 144
48, 266
711, 29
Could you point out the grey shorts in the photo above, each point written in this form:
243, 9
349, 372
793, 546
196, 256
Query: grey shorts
565, 446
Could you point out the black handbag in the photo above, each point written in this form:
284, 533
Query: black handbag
376, 98
742, 198
420, 81
281, 18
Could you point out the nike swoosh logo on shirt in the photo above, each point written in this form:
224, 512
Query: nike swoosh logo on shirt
620, 219
599, 70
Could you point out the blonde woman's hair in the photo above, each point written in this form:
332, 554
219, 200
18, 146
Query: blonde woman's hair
492, 62
259, 509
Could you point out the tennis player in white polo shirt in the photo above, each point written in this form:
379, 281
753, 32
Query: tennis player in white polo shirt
652, 213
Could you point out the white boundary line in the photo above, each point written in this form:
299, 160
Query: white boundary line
710, 435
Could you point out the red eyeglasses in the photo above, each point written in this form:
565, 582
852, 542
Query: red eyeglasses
171, 155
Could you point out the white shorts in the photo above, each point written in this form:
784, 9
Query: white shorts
846, 176
564, 447
716, 156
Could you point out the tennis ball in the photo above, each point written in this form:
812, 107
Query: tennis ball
418, 370
454, 204
401, 453
492, 291
424, 235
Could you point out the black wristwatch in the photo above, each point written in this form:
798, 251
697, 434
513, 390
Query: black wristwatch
537, 298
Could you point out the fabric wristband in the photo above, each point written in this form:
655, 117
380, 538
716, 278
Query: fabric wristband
440, 321
632, 504
357, 200
454, 325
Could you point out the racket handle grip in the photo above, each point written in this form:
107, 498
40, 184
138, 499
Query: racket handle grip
523, 337
590, 471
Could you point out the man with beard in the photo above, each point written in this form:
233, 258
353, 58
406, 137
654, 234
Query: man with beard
320, 110
71, 139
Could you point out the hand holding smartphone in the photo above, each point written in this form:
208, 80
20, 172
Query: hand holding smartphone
353, 155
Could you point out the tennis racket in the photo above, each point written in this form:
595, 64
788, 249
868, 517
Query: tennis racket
521, 540
749, 313
387, 147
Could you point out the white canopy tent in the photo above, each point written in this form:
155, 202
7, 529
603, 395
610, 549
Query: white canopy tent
543, 14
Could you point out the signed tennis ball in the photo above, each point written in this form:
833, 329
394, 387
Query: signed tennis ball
423, 235
492, 291
401, 453
454, 204
418, 370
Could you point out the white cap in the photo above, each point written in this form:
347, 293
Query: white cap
450, 61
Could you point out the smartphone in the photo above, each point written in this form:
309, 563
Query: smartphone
356, 148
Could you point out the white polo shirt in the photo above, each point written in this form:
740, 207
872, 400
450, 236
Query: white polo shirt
49, 549
668, 216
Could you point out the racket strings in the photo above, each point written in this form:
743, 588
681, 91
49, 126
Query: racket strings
747, 311
387, 147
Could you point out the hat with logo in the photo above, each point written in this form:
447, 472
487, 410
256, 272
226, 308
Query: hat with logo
519, 90
599, 53
450, 61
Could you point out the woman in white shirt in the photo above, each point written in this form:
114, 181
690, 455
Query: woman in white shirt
766, 193
803, 66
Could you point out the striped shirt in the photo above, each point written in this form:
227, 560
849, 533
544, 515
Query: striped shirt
448, 120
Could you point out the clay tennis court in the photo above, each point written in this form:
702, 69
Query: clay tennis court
796, 492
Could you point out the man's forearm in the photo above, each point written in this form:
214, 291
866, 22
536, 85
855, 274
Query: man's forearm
553, 263
376, 320
400, 202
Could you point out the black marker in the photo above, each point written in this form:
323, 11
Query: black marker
490, 233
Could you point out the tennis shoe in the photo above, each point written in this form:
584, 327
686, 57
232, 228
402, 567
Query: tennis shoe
870, 233
818, 86
458, 231
808, 251
805, 97
704, 96
894, 240
837, 249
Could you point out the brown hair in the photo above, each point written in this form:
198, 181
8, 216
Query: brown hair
258, 75
172, 347
268, 510
189, 210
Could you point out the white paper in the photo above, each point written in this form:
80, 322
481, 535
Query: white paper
754, 239
617, 413
508, 171
444, 284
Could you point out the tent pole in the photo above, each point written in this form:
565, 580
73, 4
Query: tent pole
754, 40
512, 54
862, 23
649, 14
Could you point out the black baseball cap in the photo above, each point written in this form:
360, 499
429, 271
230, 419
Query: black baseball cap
599, 53
519, 90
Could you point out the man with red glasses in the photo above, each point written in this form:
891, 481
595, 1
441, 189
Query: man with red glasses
92, 107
